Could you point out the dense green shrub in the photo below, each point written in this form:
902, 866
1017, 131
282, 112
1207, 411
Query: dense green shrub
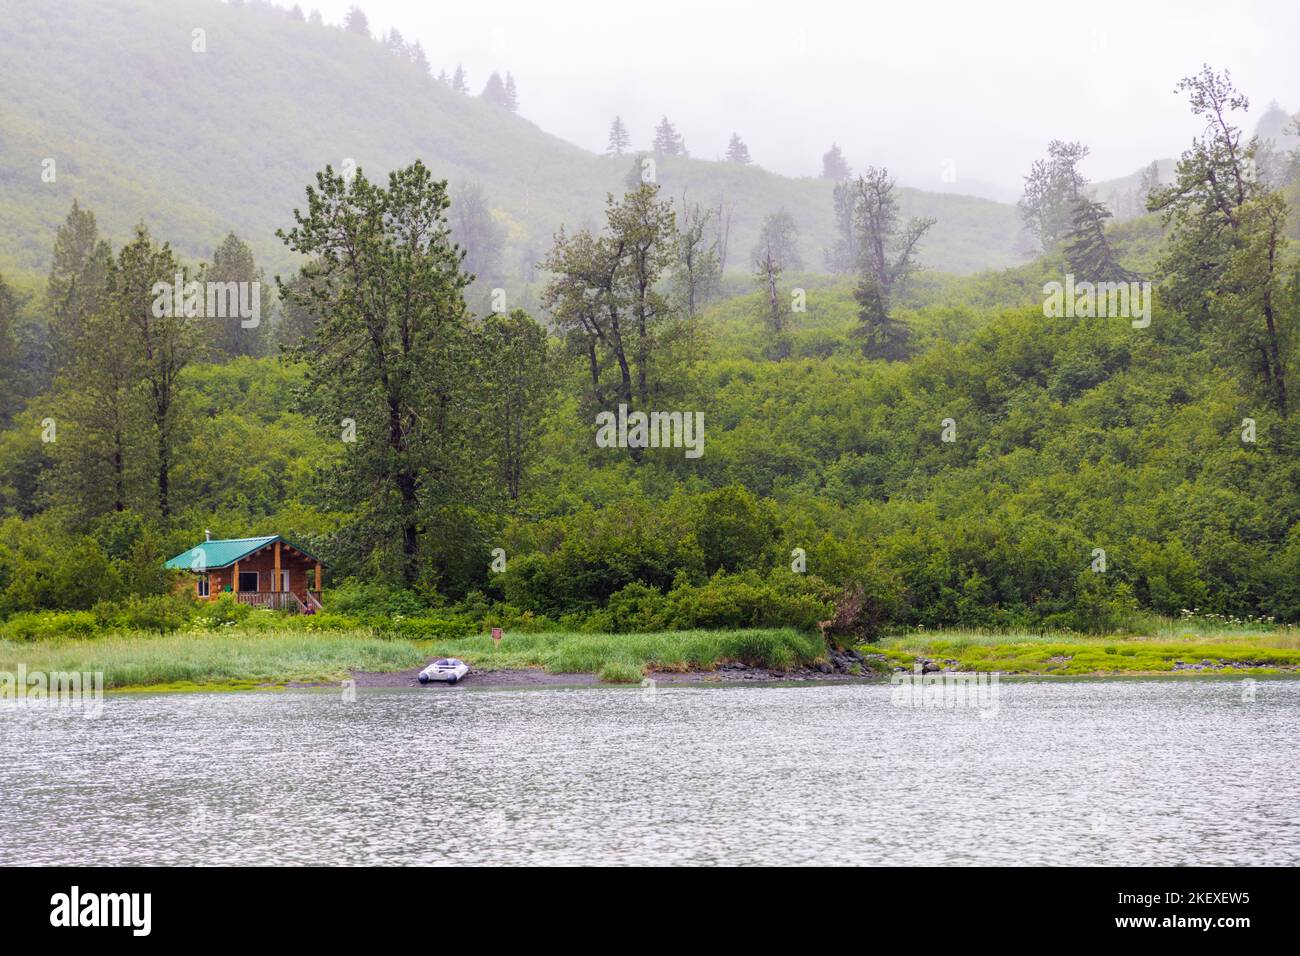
373, 602
426, 627
160, 613
42, 625
225, 611
748, 600
328, 621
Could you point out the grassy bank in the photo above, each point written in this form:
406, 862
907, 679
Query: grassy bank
1065, 655
625, 657
231, 658
227, 658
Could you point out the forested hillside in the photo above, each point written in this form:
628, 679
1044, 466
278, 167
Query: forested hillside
876, 442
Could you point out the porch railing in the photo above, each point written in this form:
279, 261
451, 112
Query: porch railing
276, 600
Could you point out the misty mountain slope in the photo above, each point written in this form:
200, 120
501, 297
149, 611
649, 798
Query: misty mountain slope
141, 128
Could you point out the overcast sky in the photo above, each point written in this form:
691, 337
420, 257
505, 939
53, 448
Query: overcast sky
911, 85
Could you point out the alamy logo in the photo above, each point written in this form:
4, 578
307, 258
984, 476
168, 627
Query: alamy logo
1098, 300
209, 300
655, 430
103, 909
968, 689
84, 690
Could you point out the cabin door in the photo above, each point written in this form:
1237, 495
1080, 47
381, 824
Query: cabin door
284, 580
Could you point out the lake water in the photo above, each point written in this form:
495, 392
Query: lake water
1084, 772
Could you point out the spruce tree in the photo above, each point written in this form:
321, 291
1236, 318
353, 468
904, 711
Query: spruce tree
395, 43
392, 350
667, 141
164, 344
415, 53
887, 257
883, 337
494, 91
1087, 250
232, 261
737, 151
101, 459
355, 21
834, 166
619, 140
76, 282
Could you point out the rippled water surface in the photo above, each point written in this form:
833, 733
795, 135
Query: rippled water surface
1087, 772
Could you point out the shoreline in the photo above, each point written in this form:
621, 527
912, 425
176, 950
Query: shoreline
524, 678
537, 677
740, 675
202, 662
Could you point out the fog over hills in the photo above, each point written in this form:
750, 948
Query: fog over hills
142, 128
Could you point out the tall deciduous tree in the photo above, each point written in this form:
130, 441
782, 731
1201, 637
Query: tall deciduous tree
1053, 188
1226, 264
389, 354
887, 258
605, 297
517, 378
776, 252
698, 271
1149, 183
842, 255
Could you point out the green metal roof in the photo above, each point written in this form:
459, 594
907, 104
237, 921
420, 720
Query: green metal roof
224, 552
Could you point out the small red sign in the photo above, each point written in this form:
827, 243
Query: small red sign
496, 634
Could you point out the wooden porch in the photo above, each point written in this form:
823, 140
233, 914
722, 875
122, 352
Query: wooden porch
281, 600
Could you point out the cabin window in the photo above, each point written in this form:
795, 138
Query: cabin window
204, 586
248, 581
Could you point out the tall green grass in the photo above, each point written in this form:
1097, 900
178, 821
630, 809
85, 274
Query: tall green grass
244, 658
1077, 654
779, 648
224, 657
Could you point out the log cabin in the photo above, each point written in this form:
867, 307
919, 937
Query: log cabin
264, 572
